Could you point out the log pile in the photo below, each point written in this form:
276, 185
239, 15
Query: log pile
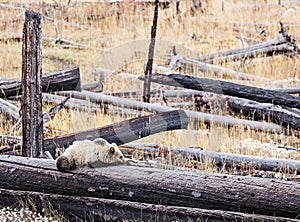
128, 190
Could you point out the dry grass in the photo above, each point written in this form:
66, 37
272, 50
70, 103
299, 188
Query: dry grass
119, 29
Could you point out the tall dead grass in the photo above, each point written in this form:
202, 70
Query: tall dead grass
103, 27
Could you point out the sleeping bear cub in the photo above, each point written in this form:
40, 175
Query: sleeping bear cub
94, 153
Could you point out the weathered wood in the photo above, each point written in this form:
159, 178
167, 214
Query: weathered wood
210, 69
9, 110
125, 131
32, 119
74, 104
87, 106
283, 43
218, 159
288, 90
228, 88
49, 115
55, 81
93, 86
180, 188
64, 43
12, 112
286, 117
197, 116
10, 140
99, 209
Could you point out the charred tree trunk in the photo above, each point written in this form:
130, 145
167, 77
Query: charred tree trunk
32, 116
148, 71
228, 88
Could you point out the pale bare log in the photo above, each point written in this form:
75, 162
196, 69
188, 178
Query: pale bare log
198, 116
9, 110
214, 70
219, 159
74, 104
283, 43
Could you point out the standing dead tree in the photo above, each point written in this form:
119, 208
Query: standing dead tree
148, 71
32, 116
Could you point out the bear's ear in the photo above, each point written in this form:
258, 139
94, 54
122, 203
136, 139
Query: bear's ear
100, 141
112, 150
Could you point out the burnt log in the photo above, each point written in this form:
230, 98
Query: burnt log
77, 208
125, 131
180, 188
283, 116
227, 88
55, 81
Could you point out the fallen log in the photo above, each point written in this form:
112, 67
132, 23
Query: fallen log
288, 90
55, 81
286, 117
9, 110
99, 209
125, 131
11, 140
180, 188
197, 116
49, 115
282, 44
13, 112
93, 86
214, 70
227, 88
74, 104
217, 158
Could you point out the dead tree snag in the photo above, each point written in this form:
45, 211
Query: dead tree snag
32, 119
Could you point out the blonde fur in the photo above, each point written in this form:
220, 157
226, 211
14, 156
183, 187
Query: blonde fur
94, 153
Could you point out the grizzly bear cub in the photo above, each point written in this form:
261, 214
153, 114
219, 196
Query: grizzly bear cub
94, 153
